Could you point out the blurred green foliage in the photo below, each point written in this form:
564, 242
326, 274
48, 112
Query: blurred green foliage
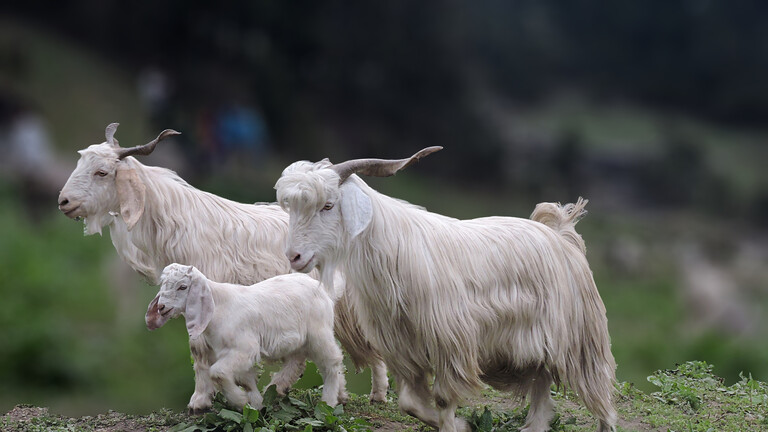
337, 79
58, 327
63, 343
64, 347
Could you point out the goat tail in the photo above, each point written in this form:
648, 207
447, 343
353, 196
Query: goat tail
563, 219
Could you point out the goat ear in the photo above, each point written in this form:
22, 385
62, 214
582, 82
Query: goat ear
199, 310
356, 210
131, 192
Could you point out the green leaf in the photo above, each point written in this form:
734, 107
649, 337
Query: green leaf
270, 396
331, 420
231, 415
247, 427
251, 414
210, 418
653, 379
321, 410
218, 402
338, 410
309, 422
485, 421
361, 422
184, 427
298, 403
288, 408
283, 416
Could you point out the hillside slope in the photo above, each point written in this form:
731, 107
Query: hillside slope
690, 398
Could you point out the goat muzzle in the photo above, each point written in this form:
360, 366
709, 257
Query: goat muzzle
154, 319
71, 209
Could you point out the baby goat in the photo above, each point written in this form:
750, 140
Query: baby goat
233, 327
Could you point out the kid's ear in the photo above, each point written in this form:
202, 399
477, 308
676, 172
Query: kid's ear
131, 192
356, 209
200, 306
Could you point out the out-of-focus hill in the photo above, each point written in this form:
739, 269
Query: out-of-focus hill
78, 92
676, 233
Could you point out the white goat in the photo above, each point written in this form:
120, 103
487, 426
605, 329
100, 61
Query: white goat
232, 328
504, 301
155, 218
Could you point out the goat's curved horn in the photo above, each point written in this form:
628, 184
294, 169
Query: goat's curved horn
109, 133
147, 148
378, 167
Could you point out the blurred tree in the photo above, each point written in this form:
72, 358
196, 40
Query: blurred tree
353, 79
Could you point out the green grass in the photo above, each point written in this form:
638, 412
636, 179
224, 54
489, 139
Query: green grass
689, 397
300, 411
66, 347
63, 345
27, 418
692, 398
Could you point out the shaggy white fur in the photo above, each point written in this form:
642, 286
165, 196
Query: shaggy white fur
156, 218
505, 301
233, 328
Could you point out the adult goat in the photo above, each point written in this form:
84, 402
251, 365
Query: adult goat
155, 218
505, 301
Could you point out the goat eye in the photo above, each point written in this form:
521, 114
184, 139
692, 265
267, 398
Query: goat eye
328, 206
182, 288
101, 173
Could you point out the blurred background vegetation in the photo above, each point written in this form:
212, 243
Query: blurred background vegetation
653, 110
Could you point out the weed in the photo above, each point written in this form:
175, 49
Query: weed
304, 413
689, 398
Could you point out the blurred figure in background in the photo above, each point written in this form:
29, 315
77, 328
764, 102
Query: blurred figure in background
241, 132
154, 89
29, 159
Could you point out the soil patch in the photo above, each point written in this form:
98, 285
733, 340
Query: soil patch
23, 418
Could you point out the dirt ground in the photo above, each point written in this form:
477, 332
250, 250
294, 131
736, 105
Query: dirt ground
24, 418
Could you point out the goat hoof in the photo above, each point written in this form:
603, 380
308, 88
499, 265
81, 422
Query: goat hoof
377, 399
199, 411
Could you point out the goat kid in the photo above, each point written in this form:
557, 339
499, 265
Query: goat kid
232, 328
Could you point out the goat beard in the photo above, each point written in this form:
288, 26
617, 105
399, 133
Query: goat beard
327, 276
94, 224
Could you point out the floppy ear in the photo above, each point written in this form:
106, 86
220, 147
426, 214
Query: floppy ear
356, 210
199, 310
131, 193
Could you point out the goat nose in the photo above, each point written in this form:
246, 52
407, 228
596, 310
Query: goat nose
161, 307
63, 201
293, 256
